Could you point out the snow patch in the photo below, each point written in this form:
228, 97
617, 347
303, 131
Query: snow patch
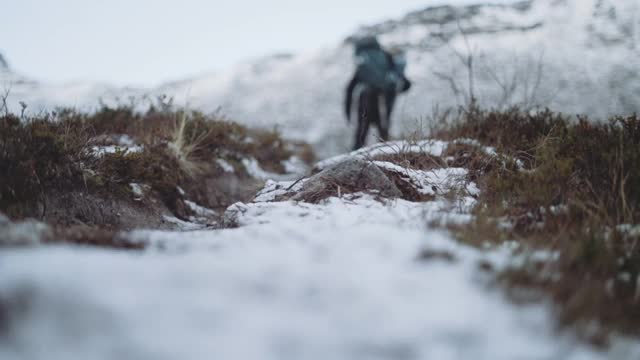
225, 165
137, 190
274, 189
295, 165
430, 147
183, 225
100, 151
429, 182
200, 211
253, 168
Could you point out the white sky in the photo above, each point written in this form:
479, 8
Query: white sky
145, 42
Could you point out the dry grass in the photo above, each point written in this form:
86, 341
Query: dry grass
52, 154
184, 149
413, 160
565, 187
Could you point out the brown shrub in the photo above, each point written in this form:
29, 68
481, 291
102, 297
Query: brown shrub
563, 186
53, 153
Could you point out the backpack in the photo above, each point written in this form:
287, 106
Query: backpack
374, 67
399, 65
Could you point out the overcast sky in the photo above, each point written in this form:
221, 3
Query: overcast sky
145, 42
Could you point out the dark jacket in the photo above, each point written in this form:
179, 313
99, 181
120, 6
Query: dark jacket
403, 85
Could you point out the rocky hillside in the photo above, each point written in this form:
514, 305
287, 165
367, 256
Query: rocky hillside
575, 56
3, 64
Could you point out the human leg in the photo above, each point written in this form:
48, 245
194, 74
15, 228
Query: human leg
364, 119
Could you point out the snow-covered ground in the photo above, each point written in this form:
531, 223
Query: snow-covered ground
341, 279
295, 281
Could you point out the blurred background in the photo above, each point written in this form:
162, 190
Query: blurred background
327, 280
145, 43
285, 64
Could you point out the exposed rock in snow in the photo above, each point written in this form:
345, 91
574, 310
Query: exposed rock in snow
359, 171
183, 225
203, 215
349, 175
429, 182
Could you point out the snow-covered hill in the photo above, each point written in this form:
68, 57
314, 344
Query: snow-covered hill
576, 56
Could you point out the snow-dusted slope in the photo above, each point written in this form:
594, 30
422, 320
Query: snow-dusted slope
576, 56
354, 276
337, 280
341, 279
41, 96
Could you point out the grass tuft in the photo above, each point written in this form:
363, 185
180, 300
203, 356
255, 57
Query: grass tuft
572, 189
53, 154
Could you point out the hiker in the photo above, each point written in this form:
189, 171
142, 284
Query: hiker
379, 78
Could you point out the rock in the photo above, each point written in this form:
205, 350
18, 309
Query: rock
349, 176
3, 63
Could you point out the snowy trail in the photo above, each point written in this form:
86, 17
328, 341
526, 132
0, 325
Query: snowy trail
339, 280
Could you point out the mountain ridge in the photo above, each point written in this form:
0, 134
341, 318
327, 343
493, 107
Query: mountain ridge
574, 56
4, 65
